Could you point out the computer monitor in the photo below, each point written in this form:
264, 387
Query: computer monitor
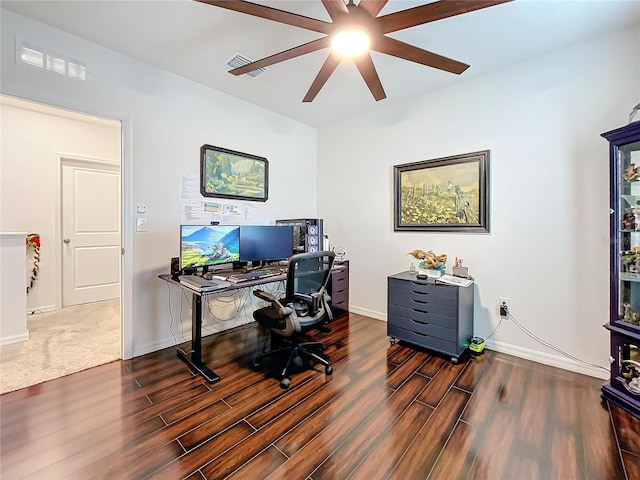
202, 246
265, 242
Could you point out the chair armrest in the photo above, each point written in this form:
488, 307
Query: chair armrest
282, 310
266, 296
313, 300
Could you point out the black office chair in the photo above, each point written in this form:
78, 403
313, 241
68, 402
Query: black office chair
304, 307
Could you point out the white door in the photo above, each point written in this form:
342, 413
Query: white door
90, 232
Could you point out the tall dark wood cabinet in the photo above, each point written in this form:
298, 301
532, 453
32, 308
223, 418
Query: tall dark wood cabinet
623, 387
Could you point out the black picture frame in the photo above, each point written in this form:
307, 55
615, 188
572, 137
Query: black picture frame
235, 175
448, 194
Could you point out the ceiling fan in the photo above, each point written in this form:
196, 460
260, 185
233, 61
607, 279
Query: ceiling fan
359, 21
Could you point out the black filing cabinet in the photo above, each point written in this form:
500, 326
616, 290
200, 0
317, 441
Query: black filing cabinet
426, 314
339, 287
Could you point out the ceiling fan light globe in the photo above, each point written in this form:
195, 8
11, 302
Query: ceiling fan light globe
350, 43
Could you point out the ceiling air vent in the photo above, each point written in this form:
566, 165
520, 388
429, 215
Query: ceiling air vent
240, 60
39, 57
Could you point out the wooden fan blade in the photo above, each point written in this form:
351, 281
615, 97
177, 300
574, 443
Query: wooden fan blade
368, 71
282, 56
372, 7
329, 66
396, 48
335, 8
431, 12
274, 14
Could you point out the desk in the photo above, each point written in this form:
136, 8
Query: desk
194, 358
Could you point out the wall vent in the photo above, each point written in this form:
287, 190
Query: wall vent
39, 57
240, 60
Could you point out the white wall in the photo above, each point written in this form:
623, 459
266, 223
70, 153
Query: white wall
166, 119
548, 246
13, 295
30, 143
548, 250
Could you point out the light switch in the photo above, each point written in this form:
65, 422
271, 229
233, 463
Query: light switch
141, 209
141, 224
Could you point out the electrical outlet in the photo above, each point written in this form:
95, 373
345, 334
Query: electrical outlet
502, 303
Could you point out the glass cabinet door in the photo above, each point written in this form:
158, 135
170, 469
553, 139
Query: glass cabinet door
629, 367
628, 158
623, 387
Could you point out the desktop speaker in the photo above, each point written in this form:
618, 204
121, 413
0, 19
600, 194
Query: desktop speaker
175, 266
307, 234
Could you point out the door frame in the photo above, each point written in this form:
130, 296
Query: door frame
126, 188
62, 160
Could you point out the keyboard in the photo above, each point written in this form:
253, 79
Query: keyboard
254, 275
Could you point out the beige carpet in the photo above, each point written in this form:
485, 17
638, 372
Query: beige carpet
62, 342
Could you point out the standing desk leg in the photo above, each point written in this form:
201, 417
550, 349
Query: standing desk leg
194, 358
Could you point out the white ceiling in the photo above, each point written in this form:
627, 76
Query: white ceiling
195, 41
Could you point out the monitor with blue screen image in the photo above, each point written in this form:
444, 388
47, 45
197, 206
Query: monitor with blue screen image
202, 246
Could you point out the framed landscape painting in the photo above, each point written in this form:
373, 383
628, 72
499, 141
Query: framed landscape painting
449, 194
229, 174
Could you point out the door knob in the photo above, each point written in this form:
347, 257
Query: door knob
66, 240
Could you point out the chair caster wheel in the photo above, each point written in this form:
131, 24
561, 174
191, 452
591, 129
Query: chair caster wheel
284, 383
454, 360
328, 370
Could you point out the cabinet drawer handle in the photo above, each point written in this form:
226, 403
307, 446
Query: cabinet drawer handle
419, 311
422, 302
419, 323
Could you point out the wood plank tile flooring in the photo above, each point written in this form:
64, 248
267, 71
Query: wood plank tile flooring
387, 412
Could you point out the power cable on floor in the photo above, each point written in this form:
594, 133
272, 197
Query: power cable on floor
553, 347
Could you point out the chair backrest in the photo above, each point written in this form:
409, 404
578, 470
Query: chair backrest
307, 278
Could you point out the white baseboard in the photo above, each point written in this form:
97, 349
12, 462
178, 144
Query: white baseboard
171, 342
14, 339
520, 352
43, 309
547, 359
155, 346
368, 313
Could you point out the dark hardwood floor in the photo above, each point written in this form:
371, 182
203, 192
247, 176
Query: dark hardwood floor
388, 411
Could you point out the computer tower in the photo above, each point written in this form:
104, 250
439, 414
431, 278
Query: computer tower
307, 234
